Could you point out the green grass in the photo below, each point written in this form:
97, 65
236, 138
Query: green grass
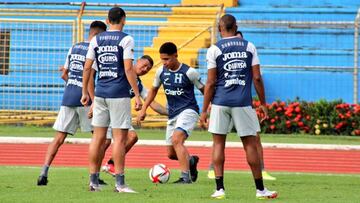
18, 184
159, 134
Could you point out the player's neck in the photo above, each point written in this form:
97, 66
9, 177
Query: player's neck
227, 34
176, 67
118, 27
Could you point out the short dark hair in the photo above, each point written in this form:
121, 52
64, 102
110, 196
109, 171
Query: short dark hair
147, 57
168, 48
239, 33
98, 26
228, 22
115, 15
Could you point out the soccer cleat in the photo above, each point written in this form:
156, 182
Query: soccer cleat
124, 189
219, 194
182, 181
102, 182
193, 168
266, 194
42, 180
109, 168
94, 188
267, 176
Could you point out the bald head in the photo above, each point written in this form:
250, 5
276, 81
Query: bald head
227, 24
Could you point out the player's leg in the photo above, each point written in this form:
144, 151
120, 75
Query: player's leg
66, 122
247, 127
185, 123
265, 175
178, 139
131, 139
100, 121
120, 117
219, 122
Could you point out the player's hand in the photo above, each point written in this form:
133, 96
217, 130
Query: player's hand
138, 103
90, 113
85, 99
140, 117
204, 120
264, 109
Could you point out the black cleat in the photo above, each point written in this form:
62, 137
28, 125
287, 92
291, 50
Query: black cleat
193, 168
182, 181
102, 182
42, 180
94, 188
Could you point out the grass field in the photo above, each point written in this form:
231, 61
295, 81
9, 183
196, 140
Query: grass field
18, 184
159, 134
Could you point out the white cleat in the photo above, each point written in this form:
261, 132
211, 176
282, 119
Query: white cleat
124, 189
94, 188
219, 194
266, 194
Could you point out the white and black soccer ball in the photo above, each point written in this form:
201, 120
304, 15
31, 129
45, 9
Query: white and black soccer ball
159, 173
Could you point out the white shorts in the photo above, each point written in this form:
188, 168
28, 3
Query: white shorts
69, 119
114, 112
109, 132
186, 120
244, 118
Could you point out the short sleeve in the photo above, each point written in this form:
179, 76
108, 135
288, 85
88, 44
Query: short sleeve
66, 64
127, 43
94, 66
91, 51
252, 49
157, 81
194, 77
212, 53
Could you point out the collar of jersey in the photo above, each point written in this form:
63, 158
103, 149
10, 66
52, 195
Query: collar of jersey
176, 69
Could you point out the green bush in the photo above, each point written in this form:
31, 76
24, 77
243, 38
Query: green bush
322, 117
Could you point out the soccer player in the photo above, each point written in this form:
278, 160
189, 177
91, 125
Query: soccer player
142, 67
233, 65
265, 174
72, 114
113, 52
178, 81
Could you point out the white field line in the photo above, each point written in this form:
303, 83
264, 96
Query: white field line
37, 140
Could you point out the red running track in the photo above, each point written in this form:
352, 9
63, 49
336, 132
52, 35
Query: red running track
290, 160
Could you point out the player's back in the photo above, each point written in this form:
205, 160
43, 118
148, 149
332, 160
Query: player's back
75, 64
109, 55
234, 74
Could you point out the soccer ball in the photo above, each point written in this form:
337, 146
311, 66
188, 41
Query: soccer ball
159, 173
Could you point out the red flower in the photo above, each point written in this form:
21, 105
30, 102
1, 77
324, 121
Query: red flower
272, 120
300, 124
272, 127
297, 109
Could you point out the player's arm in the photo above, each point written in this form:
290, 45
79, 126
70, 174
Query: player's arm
258, 81
65, 68
91, 84
150, 96
211, 55
90, 57
149, 99
128, 45
195, 78
158, 108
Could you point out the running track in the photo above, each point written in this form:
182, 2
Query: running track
276, 159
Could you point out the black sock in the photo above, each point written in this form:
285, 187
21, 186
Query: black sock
259, 184
110, 162
219, 182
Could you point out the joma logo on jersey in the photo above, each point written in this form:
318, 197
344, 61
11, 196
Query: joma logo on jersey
77, 57
233, 55
76, 66
176, 92
235, 65
102, 49
107, 58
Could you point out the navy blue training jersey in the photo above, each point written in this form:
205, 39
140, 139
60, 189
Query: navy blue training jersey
179, 90
75, 65
234, 74
112, 81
